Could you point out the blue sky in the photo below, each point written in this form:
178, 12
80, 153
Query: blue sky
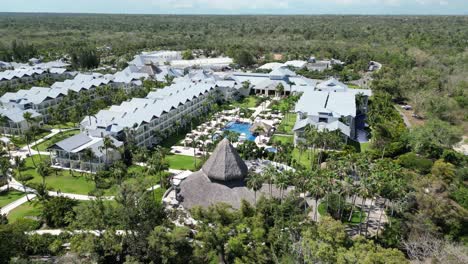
430, 7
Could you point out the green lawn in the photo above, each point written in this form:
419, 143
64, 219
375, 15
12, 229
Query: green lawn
353, 86
287, 124
181, 162
247, 102
60, 179
9, 197
282, 139
61, 126
20, 141
24, 210
57, 138
303, 158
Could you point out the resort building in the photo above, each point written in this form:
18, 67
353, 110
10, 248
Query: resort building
24, 73
12, 121
147, 120
296, 64
331, 106
155, 58
267, 83
22, 76
84, 153
203, 63
41, 99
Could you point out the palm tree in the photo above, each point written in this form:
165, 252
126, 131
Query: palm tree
5, 166
280, 89
282, 181
88, 155
269, 174
3, 122
119, 171
107, 144
157, 164
255, 182
24, 179
28, 137
317, 189
43, 171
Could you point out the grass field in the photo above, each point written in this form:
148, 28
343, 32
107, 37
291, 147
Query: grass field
9, 197
282, 139
247, 102
21, 141
287, 124
24, 210
181, 162
303, 158
57, 138
61, 126
60, 179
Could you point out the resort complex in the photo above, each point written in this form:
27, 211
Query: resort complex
168, 139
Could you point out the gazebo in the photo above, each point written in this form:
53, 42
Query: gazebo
260, 127
221, 180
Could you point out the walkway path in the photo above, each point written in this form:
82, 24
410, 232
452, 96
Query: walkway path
10, 207
262, 107
24, 151
405, 119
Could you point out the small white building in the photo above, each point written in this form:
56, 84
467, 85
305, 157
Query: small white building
71, 153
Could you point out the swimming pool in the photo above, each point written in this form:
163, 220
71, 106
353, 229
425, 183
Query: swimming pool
240, 128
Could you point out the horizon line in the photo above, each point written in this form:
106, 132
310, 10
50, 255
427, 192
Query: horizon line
231, 14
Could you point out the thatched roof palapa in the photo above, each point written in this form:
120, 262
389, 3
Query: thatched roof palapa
225, 164
260, 126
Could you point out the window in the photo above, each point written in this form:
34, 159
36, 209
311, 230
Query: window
323, 120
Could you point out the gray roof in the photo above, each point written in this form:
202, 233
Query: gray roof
225, 164
73, 142
332, 85
79, 142
16, 114
336, 103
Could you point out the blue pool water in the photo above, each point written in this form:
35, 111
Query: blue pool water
240, 128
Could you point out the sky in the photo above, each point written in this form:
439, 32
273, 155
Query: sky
365, 7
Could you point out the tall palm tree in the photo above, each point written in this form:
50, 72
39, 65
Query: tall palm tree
157, 164
280, 89
270, 174
255, 182
5, 166
3, 122
88, 155
43, 171
317, 189
107, 144
282, 181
